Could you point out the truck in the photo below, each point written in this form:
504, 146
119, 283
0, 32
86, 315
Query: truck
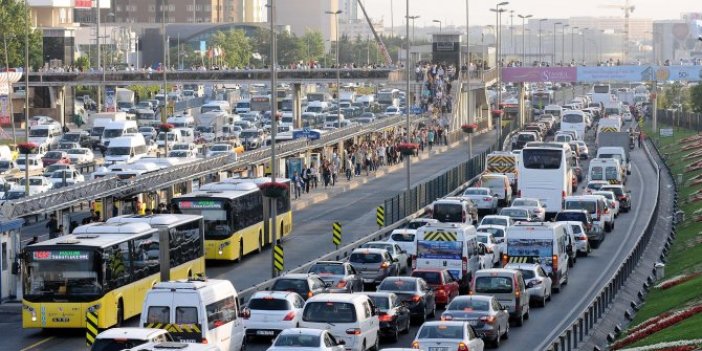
349, 96
210, 125
621, 139
99, 120
503, 162
125, 99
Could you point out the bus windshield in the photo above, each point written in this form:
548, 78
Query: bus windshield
542, 158
573, 118
214, 215
58, 274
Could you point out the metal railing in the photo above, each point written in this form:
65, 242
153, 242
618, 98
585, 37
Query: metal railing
586, 320
672, 118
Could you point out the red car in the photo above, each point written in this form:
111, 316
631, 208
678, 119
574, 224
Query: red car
441, 281
55, 157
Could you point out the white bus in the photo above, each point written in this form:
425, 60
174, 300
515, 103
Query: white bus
545, 173
389, 97
574, 120
602, 93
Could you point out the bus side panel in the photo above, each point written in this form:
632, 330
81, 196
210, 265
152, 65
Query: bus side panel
229, 248
251, 236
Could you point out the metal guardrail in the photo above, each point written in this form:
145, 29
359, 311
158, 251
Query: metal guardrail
380, 234
584, 323
95, 189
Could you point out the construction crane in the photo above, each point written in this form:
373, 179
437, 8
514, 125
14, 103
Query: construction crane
628, 9
378, 39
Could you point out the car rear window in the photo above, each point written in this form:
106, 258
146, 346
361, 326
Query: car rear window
616, 190
115, 344
359, 257
570, 216
269, 304
493, 285
590, 206
429, 277
452, 213
441, 332
527, 274
469, 305
158, 314
397, 285
327, 269
297, 285
329, 312
402, 237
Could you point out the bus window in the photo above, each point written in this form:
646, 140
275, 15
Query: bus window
542, 159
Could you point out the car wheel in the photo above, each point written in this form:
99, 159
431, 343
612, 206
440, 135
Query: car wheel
556, 287
520, 320
396, 334
496, 342
526, 315
506, 334
376, 346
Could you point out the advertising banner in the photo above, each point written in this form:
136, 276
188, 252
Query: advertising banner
539, 74
4, 110
686, 73
615, 73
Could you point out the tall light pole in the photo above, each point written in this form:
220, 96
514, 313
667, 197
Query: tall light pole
408, 93
274, 130
582, 37
498, 12
540, 52
338, 66
439, 22
524, 18
413, 18
572, 43
26, 95
553, 58
469, 100
563, 30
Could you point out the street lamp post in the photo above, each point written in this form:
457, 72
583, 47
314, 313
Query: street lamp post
540, 40
524, 18
563, 30
553, 57
272, 202
26, 95
439, 22
338, 66
408, 93
582, 37
572, 43
469, 100
498, 11
413, 18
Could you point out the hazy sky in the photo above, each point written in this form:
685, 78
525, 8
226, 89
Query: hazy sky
453, 11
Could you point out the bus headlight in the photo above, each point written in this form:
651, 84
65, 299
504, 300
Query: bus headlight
94, 308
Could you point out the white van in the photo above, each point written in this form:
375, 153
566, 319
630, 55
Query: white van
216, 105
454, 210
540, 242
174, 137
451, 246
617, 152
608, 169
182, 121
205, 311
47, 136
499, 185
351, 318
187, 135
117, 129
126, 149
243, 106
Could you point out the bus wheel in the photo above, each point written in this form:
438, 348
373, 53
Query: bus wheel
260, 241
241, 250
190, 274
120, 313
282, 229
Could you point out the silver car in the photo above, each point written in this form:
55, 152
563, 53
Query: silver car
537, 282
483, 200
341, 277
489, 319
374, 265
535, 207
397, 253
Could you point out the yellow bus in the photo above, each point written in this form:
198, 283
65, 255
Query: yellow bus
106, 268
233, 214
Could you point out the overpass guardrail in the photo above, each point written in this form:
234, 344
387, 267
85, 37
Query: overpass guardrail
585, 321
112, 186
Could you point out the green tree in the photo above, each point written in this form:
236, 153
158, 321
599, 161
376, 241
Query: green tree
696, 98
82, 63
12, 28
313, 43
290, 48
236, 47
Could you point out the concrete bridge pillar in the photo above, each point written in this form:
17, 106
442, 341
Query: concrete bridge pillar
297, 105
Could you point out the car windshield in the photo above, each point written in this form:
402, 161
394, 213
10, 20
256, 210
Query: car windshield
178, 153
451, 213
483, 239
326, 269
570, 216
13, 195
298, 340
476, 192
32, 181
441, 331
429, 277
542, 158
329, 312
181, 147
360, 257
4, 165
118, 151
525, 202
616, 190
494, 221
468, 305
38, 132
269, 304
53, 155
62, 273
400, 237
112, 133
397, 285
513, 212
493, 285
77, 151
60, 174
71, 137
246, 135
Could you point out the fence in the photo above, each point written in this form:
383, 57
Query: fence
689, 120
411, 201
584, 323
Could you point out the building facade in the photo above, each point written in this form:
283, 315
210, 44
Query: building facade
177, 11
308, 15
359, 28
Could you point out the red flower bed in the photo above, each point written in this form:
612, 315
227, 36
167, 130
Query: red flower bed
497, 113
26, 148
273, 189
673, 282
659, 325
680, 348
650, 321
166, 127
469, 128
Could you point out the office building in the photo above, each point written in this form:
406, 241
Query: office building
308, 15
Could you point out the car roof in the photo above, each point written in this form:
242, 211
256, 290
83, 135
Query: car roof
297, 276
451, 323
132, 333
474, 296
281, 295
522, 265
305, 331
336, 298
368, 250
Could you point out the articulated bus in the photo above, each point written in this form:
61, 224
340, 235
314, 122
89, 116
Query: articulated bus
233, 213
106, 268
545, 173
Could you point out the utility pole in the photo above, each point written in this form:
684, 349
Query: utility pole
26, 94
524, 18
99, 54
408, 94
164, 68
553, 57
274, 131
469, 100
338, 66
541, 58
9, 91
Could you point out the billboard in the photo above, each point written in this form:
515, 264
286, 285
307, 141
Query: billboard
539, 74
631, 73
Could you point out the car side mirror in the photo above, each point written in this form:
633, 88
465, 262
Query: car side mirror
341, 343
530, 285
327, 285
395, 260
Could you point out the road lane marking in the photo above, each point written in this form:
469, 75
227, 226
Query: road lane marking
37, 343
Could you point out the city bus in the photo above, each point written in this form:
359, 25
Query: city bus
233, 214
602, 93
545, 173
106, 268
574, 120
389, 97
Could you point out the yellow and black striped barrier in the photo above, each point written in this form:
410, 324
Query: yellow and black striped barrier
278, 258
336, 233
520, 259
380, 216
91, 327
440, 236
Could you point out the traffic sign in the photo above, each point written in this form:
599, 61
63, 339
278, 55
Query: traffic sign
278, 258
380, 216
91, 327
336, 233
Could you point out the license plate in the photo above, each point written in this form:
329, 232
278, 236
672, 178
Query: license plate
265, 332
473, 323
438, 349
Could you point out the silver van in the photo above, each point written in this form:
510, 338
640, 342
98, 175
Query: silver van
507, 285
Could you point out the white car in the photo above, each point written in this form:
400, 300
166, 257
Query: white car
627, 116
404, 238
185, 146
447, 335
612, 200
296, 339
395, 251
594, 185
582, 245
186, 154
119, 338
37, 184
497, 231
80, 155
71, 177
493, 249
538, 283
270, 312
391, 111
534, 206
482, 199
584, 150
219, 149
505, 221
34, 162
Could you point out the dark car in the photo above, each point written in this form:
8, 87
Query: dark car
415, 292
82, 138
339, 276
307, 285
489, 319
394, 315
594, 234
445, 286
623, 195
